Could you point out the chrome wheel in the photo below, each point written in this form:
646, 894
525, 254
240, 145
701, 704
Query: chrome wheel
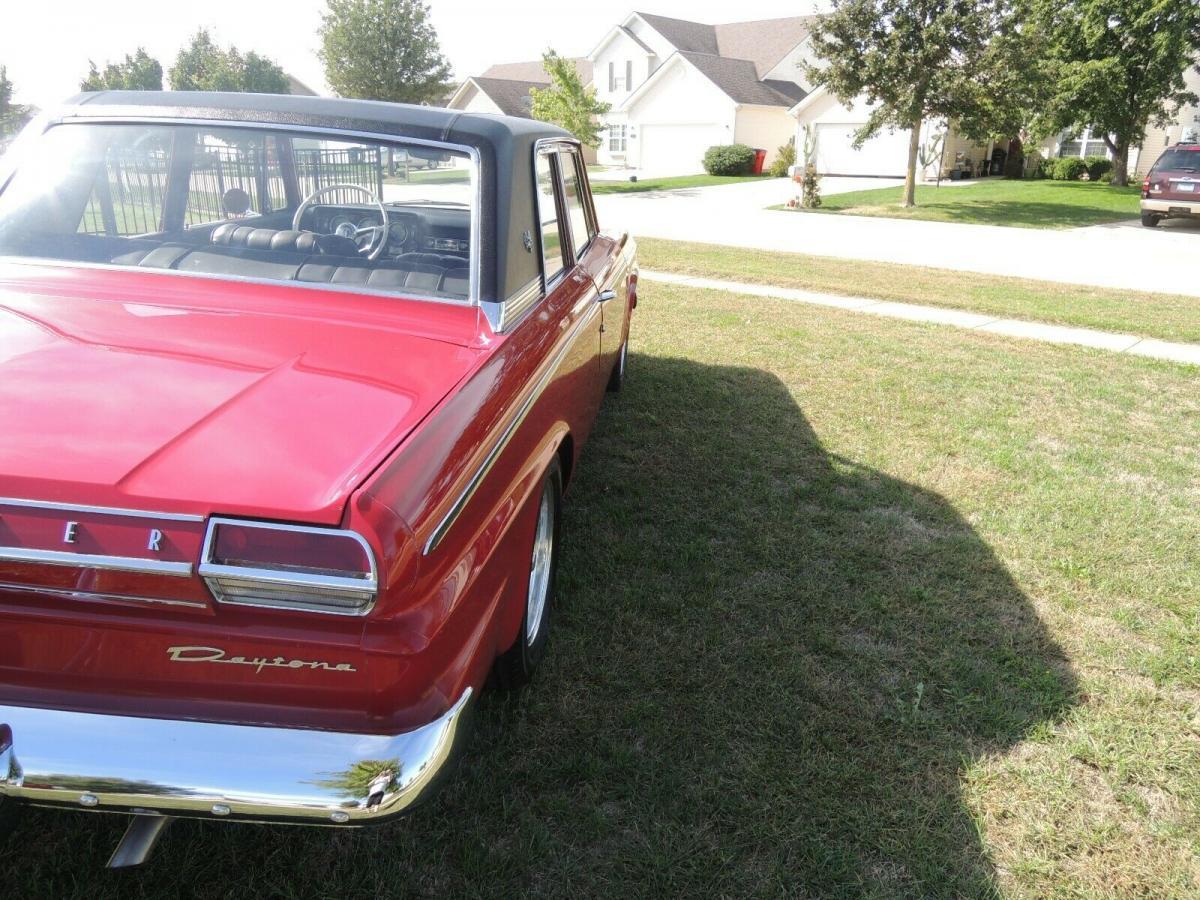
540, 567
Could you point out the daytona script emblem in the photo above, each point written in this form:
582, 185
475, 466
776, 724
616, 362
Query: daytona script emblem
216, 655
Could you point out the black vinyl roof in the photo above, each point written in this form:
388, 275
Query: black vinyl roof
504, 145
423, 122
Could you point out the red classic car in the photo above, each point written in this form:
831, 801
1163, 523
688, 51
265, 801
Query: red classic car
285, 425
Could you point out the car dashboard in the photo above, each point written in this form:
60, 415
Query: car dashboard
426, 229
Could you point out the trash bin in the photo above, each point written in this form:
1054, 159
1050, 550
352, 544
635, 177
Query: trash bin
760, 157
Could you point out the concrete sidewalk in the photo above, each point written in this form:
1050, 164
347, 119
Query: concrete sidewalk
1035, 331
1116, 256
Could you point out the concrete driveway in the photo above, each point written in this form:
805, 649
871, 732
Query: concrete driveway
1117, 256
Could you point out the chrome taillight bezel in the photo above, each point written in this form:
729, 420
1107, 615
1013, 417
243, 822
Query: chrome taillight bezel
231, 585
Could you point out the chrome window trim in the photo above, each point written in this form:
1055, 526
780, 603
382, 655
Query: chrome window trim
460, 503
100, 510
209, 570
473, 290
507, 313
96, 561
76, 594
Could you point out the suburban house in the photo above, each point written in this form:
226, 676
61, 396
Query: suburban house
505, 88
829, 126
676, 88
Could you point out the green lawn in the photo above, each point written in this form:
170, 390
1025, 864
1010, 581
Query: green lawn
1166, 316
997, 201
674, 183
430, 176
849, 607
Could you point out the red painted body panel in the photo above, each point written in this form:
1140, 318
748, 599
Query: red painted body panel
197, 396
114, 384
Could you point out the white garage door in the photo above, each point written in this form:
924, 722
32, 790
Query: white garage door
677, 149
885, 154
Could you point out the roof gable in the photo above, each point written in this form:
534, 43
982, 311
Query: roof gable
511, 96
735, 78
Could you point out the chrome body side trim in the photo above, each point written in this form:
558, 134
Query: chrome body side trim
475, 262
100, 510
96, 561
173, 767
213, 573
100, 596
468, 492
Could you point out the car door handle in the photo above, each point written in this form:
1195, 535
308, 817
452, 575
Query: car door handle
605, 296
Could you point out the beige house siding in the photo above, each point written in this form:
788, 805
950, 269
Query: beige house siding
768, 127
958, 143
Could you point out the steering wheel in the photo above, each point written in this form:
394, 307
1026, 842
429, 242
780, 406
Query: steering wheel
378, 240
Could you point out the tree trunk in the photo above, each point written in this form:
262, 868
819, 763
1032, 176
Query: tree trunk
910, 179
1121, 164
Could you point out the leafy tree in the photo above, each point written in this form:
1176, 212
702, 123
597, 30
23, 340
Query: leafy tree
13, 116
382, 50
6, 94
566, 102
140, 72
1121, 67
203, 66
915, 60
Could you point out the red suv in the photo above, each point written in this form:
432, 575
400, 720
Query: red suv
1172, 189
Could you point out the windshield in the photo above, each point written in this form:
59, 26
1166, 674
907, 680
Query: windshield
245, 202
1179, 158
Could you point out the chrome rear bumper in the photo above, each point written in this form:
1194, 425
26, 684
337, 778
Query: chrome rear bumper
201, 769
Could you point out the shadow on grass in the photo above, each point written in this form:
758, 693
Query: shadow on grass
1022, 214
769, 669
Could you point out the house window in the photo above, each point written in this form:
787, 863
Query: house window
616, 138
612, 77
629, 74
1086, 144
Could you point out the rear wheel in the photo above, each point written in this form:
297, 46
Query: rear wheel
515, 667
1150, 220
617, 379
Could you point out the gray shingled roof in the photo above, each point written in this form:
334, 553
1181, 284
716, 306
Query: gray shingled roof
738, 79
764, 42
510, 95
688, 37
533, 71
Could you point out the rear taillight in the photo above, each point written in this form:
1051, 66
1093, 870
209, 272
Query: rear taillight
289, 567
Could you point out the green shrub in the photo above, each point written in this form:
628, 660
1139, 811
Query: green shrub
1070, 168
1107, 177
1097, 167
785, 158
729, 159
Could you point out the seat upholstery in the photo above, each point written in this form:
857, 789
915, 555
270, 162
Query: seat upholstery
232, 234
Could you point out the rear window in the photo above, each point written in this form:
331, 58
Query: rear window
245, 202
1185, 158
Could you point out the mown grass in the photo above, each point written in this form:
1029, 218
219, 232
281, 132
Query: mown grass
849, 607
997, 201
673, 183
1167, 316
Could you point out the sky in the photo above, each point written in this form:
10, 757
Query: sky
46, 45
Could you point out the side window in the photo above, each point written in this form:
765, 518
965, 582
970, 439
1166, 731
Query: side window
552, 244
577, 217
